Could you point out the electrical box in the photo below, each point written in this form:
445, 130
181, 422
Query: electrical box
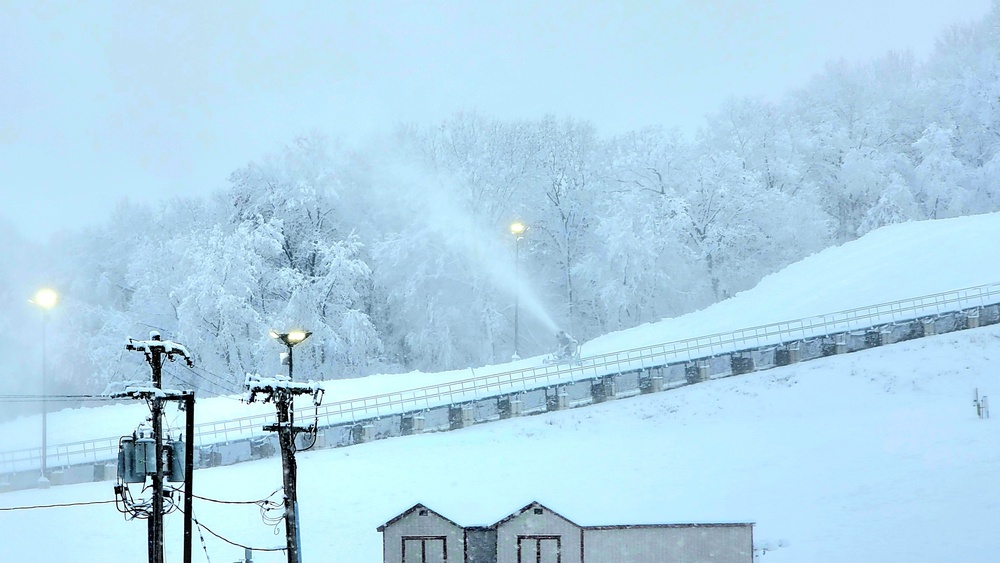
145, 456
127, 463
175, 461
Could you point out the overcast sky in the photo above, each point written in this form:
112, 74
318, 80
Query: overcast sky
101, 101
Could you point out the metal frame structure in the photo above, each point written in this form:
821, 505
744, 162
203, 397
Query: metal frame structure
462, 391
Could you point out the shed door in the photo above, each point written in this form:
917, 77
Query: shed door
424, 549
539, 549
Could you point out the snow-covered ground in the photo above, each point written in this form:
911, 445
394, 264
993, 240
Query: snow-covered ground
892, 263
873, 456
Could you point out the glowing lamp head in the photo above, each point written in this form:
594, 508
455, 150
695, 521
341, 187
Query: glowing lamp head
290, 338
517, 228
46, 298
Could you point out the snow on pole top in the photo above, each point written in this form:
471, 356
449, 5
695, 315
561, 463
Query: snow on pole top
255, 384
167, 347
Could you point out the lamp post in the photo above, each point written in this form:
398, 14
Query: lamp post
290, 339
286, 440
517, 229
46, 299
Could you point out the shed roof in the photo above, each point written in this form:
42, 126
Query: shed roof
409, 511
468, 509
531, 505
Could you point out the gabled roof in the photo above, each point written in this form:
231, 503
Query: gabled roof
532, 505
415, 507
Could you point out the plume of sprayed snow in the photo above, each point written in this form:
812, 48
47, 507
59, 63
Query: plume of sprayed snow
436, 204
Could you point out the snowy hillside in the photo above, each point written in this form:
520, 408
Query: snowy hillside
873, 456
892, 263
895, 262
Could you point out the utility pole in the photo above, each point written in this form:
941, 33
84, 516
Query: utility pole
282, 390
517, 229
188, 473
289, 473
154, 349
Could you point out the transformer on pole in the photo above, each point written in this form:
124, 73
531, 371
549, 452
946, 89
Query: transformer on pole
144, 455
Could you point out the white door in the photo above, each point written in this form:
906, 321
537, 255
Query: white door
424, 549
539, 549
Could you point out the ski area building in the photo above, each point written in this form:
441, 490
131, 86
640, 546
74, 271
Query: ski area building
536, 534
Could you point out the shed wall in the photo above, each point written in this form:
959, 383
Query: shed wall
673, 544
546, 524
431, 525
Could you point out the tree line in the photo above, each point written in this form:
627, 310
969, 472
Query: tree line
398, 256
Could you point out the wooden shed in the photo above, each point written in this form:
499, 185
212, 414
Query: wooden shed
421, 535
537, 534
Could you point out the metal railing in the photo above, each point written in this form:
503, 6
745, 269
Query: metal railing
466, 390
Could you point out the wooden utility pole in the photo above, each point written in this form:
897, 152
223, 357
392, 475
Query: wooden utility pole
155, 521
281, 390
289, 470
154, 349
188, 473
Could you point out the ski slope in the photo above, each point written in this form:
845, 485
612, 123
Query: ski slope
889, 264
873, 456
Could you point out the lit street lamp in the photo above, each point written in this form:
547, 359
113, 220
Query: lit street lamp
286, 440
290, 339
517, 229
46, 299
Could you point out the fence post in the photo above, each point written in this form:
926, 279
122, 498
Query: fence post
794, 355
656, 380
928, 325
704, 370
562, 397
840, 343
972, 319
885, 336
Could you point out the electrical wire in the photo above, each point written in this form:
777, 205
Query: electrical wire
313, 431
62, 505
201, 536
54, 398
266, 505
229, 541
202, 390
218, 501
218, 381
118, 373
223, 381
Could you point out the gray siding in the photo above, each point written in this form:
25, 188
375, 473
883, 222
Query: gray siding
415, 526
669, 544
528, 524
480, 545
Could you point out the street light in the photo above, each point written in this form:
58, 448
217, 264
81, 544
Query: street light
46, 299
290, 339
286, 440
517, 229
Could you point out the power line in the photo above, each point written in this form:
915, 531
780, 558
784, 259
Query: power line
266, 506
218, 501
231, 542
61, 398
223, 381
63, 505
173, 373
217, 381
